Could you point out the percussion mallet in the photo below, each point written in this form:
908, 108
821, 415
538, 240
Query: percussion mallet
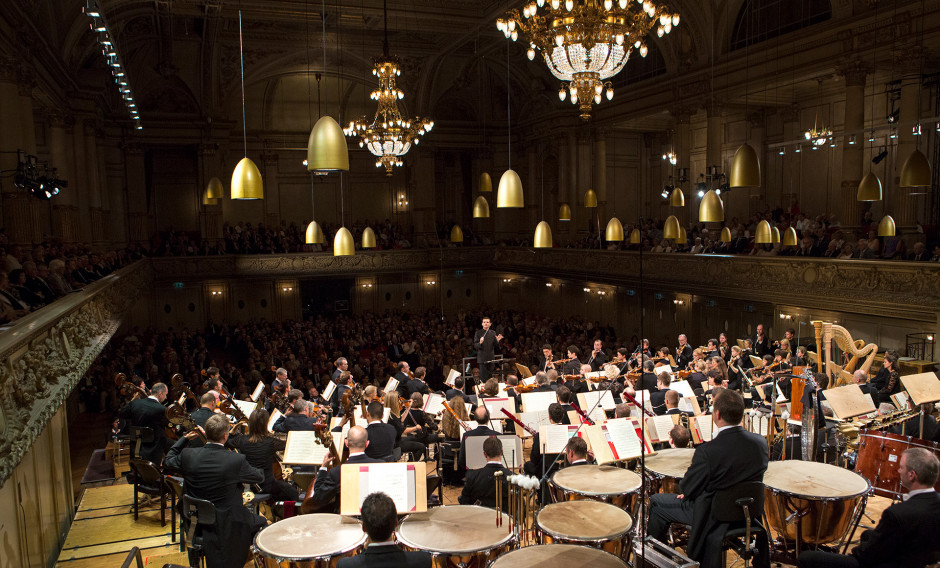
498, 477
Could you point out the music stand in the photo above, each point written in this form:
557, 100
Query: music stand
848, 402
923, 388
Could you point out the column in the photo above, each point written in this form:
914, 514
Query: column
272, 196
907, 209
20, 210
94, 183
64, 209
600, 175
854, 73
683, 116
138, 218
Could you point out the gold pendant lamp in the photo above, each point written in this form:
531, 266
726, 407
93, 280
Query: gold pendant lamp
671, 228
314, 234
509, 193
775, 235
564, 212
343, 244
326, 147
725, 235
763, 235
635, 237
869, 189
887, 227
682, 239
214, 189
543, 235
246, 179
789, 237
486, 183
614, 230
677, 198
745, 169
456, 234
368, 238
481, 208
915, 172
206, 200
711, 210
590, 199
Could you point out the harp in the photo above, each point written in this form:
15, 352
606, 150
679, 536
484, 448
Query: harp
857, 349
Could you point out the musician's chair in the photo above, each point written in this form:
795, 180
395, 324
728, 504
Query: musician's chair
742, 508
150, 481
197, 512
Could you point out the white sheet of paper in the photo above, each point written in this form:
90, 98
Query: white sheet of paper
451, 376
623, 436
338, 438
433, 403
685, 405
246, 406
493, 405
598, 415
901, 400
538, 400
554, 437
303, 448
393, 482
705, 425
328, 391
391, 385
257, 392
660, 426
682, 387
528, 381
274, 416
535, 420
497, 425
362, 421
589, 399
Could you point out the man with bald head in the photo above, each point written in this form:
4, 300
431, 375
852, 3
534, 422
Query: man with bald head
861, 379
326, 487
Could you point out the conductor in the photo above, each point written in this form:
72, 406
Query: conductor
485, 341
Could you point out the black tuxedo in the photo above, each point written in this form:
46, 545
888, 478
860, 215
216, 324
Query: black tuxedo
451, 393
326, 487
480, 430
906, 537
658, 401
535, 466
416, 385
683, 356
384, 555
481, 486
293, 422
381, 441
733, 456
761, 347
647, 382
540, 363
402, 379
261, 454
597, 361
200, 415
576, 386
572, 367
148, 413
486, 351
216, 474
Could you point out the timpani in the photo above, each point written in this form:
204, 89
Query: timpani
617, 486
458, 535
667, 468
586, 523
557, 556
307, 541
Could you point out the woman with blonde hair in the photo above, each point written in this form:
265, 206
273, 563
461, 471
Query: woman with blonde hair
408, 444
452, 430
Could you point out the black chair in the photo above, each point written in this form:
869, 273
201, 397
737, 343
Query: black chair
175, 485
133, 558
139, 435
150, 481
197, 512
434, 484
742, 508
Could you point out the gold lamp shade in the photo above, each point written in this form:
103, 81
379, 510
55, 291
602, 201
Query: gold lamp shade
916, 171
789, 237
677, 198
590, 198
763, 235
614, 230
774, 235
368, 238
486, 183
214, 190
246, 181
314, 235
343, 244
543, 235
564, 212
671, 228
711, 210
726, 235
635, 237
456, 233
509, 192
326, 147
481, 208
887, 228
745, 169
869, 189
206, 200
682, 239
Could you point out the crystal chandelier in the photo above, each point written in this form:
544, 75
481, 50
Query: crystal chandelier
818, 135
387, 135
585, 42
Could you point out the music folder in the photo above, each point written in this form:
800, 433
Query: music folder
512, 451
405, 483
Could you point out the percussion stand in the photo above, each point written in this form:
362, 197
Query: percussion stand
858, 519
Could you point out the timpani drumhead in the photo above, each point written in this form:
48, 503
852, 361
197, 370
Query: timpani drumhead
455, 529
814, 480
584, 520
673, 462
310, 536
557, 555
597, 480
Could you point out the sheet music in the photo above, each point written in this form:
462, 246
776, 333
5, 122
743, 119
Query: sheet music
589, 399
901, 400
685, 405
598, 415
274, 417
257, 392
303, 448
493, 405
363, 421
554, 437
704, 425
338, 438
682, 387
535, 420
433, 404
497, 425
501, 390
391, 385
528, 381
622, 434
393, 482
328, 391
451, 376
538, 400
660, 426
246, 406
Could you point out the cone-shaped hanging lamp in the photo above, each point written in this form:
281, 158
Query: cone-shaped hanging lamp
314, 234
543, 235
206, 200
745, 169
869, 189
343, 244
789, 237
671, 228
681, 239
509, 192
246, 181
481, 209
711, 210
635, 237
774, 235
614, 230
214, 189
564, 212
456, 234
486, 183
726, 235
677, 198
916, 171
590, 198
887, 228
368, 238
763, 235
326, 147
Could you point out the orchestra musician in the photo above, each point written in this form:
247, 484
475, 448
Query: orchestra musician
724, 349
512, 389
760, 344
887, 380
381, 435
481, 427
327, 485
480, 487
150, 413
260, 448
212, 473
544, 382
736, 369
345, 383
733, 456
403, 376
543, 362
679, 437
416, 383
208, 406
641, 354
573, 366
379, 519
563, 396
407, 444
534, 465
298, 419
598, 357
662, 357
712, 349
861, 379
658, 396
648, 378
683, 353
576, 452
485, 341
425, 426
342, 365
457, 391
578, 383
671, 402
281, 382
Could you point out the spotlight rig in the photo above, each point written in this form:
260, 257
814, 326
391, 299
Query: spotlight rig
39, 179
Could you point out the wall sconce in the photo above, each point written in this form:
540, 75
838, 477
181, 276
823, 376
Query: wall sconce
216, 292
507, 280
588, 290
369, 285
601, 292
548, 284
430, 282
679, 302
786, 317
287, 289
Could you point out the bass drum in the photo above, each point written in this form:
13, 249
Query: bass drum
879, 454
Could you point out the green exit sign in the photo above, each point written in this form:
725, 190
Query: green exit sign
177, 284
